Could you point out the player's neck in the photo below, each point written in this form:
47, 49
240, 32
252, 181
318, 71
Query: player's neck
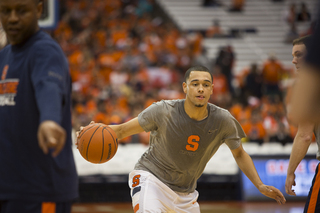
194, 112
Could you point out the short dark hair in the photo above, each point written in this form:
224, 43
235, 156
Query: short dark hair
197, 68
302, 40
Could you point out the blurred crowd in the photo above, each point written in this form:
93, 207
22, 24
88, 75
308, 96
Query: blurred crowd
295, 15
124, 56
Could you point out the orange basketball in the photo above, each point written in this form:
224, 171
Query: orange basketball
97, 143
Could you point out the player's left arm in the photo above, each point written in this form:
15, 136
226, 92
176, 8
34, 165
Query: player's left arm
245, 163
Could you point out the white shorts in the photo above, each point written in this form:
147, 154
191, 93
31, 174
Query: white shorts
149, 194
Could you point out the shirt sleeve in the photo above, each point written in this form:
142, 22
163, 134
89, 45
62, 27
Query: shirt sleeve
49, 78
149, 118
233, 132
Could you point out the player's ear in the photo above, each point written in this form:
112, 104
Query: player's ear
184, 86
39, 9
212, 86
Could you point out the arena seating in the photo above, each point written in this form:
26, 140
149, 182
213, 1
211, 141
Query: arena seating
265, 16
262, 31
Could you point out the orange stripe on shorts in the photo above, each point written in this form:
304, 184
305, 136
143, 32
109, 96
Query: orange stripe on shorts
48, 207
136, 208
314, 194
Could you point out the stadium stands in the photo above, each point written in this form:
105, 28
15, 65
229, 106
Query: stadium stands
264, 17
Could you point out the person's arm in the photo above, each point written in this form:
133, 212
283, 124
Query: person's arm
129, 128
52, 87
245, 163
300, 147
147, 121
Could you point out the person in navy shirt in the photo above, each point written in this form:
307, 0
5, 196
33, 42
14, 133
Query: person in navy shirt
37, 169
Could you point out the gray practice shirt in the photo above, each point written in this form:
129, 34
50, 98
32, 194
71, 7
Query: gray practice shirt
180, 147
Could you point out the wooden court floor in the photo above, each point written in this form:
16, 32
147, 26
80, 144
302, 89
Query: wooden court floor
206, 207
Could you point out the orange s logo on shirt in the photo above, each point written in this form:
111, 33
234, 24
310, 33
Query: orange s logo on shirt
4, 72
193, 144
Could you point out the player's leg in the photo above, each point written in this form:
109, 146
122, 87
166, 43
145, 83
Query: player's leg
14, 206
313, 201
149, 194
187, 202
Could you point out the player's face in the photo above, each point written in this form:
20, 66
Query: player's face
299, 53
19, 19
198, 88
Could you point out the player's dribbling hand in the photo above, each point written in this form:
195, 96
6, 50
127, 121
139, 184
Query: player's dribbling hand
273, 193
78, 132
290, 181
51, 135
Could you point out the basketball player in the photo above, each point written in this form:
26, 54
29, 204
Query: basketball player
306, 101
185, 134
37, 170
303, 137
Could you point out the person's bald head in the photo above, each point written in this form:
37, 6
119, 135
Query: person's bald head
19, 19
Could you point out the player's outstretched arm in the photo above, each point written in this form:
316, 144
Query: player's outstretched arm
127, 129
300, 147
122, 130
245, 163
